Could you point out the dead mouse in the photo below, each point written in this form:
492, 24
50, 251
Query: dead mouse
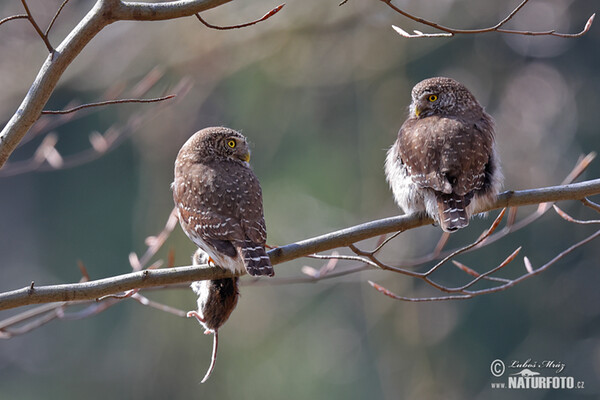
216, 300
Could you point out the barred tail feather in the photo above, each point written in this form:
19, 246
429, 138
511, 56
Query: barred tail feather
452, 211
256, 260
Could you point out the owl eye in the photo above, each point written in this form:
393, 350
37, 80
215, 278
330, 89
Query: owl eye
432, 98
231, 143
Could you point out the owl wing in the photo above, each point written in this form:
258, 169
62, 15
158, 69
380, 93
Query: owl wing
202, 211
445, 154
212, 228
250, 203
245, 188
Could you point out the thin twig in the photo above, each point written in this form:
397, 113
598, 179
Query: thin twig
568, 218
339, 272
37, 28
108, 102
476, 274
588, 203
13, 17
224, 28
64, 3
507, 260
159, 306
450, 256
449, 32
101, 143
470, 294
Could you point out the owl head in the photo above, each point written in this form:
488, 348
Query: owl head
444, 97
216, 143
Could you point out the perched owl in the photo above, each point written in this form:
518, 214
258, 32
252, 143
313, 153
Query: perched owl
220, 201
444, 162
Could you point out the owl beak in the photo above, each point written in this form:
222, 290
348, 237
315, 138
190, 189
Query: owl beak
245, 157
417, 111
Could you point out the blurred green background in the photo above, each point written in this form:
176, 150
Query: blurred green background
320, 91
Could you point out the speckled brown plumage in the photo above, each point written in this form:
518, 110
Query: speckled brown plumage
444, 162
219, 200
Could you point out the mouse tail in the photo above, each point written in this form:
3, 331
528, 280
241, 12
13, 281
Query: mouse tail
213, 358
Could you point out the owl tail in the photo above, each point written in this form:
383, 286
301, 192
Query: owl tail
452, 211
256, 259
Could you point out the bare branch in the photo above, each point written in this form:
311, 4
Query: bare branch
162, 307
108, 286
224, 28
64, 3
13, 17
568, 218
37, 28
102, 14
140, 11
449, 32
29, 326
348, 236
107, 102
476, 274
591, 204
47, 157
510, 283
154, 243
342, 238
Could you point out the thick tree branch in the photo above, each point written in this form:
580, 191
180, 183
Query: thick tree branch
342, 238
141, 11
103, 287
346, 237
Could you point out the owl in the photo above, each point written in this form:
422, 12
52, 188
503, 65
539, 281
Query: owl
444, 161
219, 201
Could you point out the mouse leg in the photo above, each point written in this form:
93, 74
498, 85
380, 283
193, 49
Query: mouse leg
195, 314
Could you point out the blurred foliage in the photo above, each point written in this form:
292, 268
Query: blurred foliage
320, 91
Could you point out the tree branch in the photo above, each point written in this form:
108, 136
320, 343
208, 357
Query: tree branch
467, 294
345, 237
37, 28
56, 14
256, 21
107, 102
342, 238
13, 17
102, 14
449, 32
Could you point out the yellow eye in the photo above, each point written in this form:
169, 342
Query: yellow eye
231, 143
432, 98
